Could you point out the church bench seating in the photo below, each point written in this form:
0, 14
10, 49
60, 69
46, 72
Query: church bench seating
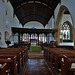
58, 58
11, 67
14, 61
19, 58
24, 53
68, 66
21, 53
55, 55
46, 53
3, 69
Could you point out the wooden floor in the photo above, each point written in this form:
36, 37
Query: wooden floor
37, 67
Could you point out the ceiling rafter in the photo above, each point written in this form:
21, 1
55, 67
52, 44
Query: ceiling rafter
41, 8
33, 15
18, 6
34, 18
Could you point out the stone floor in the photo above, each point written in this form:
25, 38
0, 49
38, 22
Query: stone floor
37, 67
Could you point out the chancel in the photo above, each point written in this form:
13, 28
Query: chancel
37, 37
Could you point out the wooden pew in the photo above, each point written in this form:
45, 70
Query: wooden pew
19, 59
46, 53
56, 55
58, 58
67, 67
14, 51
20, 52
3, 69
9, 66
24, 53
11, 62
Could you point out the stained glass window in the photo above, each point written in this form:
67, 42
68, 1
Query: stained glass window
65, 31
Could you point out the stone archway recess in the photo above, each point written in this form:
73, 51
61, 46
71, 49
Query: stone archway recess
58, 24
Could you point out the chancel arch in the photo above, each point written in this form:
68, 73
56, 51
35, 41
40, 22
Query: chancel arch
34, 24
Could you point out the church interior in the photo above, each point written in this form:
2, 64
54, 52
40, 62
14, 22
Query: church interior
37, 37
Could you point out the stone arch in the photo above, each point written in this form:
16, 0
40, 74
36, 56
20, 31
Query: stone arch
34, 24
58, 22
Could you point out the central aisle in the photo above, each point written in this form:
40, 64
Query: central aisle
37, 67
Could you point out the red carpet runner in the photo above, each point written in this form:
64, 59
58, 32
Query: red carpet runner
35, 55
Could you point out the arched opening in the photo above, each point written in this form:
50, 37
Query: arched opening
65, 27
34, 24
65, 32
25, 37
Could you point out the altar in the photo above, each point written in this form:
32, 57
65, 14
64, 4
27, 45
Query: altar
35, 48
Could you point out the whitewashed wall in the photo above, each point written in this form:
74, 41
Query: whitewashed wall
66, 17
56, 12
50, 24
7, 20
70, 4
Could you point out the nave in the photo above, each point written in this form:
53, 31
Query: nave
16, 61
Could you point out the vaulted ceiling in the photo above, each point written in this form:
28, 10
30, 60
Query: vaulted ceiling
34, 10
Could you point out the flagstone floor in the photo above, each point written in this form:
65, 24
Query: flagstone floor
37, 67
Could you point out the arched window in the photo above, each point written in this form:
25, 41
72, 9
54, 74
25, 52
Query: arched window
65, 31
25, 37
